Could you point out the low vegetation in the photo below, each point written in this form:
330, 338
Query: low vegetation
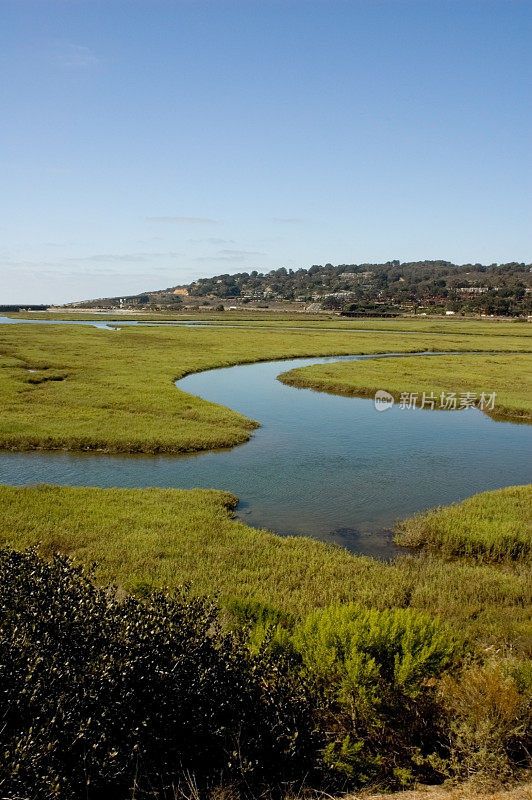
509, 376
105, 695
463, 791
324, 320
492, 526
114, 391
144, 539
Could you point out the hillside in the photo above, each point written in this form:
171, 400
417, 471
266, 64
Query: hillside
358, 289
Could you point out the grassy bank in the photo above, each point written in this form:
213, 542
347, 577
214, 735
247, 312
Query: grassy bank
429, 324
508, 375
79, 388
436, 324
492, 526
146, 538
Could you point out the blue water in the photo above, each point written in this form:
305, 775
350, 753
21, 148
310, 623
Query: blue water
37, 321
115, 323
321, 465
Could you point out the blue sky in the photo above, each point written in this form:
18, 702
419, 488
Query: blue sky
145, 144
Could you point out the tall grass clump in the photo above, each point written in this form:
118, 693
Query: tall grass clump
489, 720
492, 526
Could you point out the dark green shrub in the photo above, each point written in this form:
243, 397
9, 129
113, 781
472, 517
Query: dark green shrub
102, 696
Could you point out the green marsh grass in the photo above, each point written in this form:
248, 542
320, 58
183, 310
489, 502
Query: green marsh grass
508, 375
143, 539
492, 526
432, 324
117, 393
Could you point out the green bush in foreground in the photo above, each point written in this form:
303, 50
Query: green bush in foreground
401, 699
377, 671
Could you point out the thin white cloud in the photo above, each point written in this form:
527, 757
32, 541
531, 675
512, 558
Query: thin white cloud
37, 273
211, 240
34, 282
126, 257
97, 258
240, 253
67, 266
76, 56
185, 220
231, 259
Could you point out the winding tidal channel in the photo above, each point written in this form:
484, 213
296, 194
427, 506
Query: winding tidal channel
320, 465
